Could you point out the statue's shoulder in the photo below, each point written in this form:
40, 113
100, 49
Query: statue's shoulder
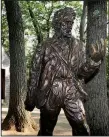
47, 42
47, 45
77, 42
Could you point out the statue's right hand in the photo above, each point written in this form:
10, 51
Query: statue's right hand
98, 51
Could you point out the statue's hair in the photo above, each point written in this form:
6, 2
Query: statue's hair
61, 14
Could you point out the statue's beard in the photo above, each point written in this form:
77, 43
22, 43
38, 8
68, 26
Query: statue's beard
66, 33
63, 33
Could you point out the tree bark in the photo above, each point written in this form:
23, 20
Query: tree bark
96, 106
108, 50
17, 116
108, 55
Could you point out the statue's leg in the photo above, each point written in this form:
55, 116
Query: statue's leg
75, 114
48, 120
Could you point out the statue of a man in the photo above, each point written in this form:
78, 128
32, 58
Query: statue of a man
56, 80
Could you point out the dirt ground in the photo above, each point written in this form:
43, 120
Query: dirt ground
62, 127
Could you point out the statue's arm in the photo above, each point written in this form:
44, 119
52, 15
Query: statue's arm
34, 76
90, 67
88, 70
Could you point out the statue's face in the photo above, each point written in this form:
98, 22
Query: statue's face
63, 21
66, 27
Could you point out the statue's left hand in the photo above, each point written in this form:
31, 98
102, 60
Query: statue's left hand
98, 50
28, 105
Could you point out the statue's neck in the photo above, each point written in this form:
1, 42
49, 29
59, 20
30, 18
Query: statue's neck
67, 40
60, 36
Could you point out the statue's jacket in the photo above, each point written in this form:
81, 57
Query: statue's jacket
57, 60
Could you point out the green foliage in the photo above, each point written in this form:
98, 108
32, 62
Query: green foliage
43, 12
4, 30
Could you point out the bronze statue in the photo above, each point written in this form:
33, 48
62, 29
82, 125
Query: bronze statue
59, 71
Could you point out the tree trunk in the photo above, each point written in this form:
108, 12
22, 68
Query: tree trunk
35, 24
17, 117
96, 106
108, 51
108, 55
48, 19
82, 24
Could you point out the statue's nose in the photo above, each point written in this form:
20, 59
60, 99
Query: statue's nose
69, 26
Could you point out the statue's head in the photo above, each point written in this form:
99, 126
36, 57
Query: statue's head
63, 21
